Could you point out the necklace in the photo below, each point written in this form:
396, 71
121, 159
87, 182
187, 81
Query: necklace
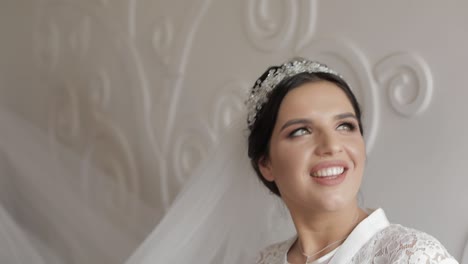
316, 253
308, 257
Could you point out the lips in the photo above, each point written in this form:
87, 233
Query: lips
329, 173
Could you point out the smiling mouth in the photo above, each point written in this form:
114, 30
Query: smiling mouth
330, 172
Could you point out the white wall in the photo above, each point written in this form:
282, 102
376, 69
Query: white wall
146, 86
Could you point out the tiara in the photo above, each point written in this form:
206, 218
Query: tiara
261, 91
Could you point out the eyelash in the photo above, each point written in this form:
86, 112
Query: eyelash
351, 127
291, 135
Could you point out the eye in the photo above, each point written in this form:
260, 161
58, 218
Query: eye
299, 132
346, 126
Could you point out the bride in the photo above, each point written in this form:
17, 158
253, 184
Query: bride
305, 144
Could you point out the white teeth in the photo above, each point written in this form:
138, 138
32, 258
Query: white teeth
332, 171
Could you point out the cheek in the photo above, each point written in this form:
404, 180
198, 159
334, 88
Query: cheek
357, 150
291, 158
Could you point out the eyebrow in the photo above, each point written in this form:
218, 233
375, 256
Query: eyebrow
345, 115
308, 121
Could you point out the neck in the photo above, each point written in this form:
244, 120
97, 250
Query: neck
316, 230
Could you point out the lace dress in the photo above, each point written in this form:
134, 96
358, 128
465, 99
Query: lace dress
377, 241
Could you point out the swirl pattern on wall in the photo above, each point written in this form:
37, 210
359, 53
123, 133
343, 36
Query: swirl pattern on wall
64, 114
47, 46
272, 25
228, 106
196, 139
109, 151
99, 89
190, 148
409, 82
154, 52
84, 72
163, 39
270, 28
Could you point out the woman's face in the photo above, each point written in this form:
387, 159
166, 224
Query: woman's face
317, 153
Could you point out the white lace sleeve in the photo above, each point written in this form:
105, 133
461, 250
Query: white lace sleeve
395, 244
398, 244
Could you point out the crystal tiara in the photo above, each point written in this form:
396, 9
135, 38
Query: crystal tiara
262, 89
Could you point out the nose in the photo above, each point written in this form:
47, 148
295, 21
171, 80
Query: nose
328, 144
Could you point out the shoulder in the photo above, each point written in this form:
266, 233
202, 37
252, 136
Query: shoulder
399, 244
275, 253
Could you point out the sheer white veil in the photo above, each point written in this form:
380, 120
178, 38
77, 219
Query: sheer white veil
15, 244
222, 215
44, 218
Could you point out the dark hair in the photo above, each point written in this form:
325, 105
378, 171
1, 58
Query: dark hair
262, 129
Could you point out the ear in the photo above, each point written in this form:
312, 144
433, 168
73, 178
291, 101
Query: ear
264, 164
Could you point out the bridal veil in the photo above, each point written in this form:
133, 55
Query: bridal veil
222, 215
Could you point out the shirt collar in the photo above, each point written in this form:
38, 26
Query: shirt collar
360, 235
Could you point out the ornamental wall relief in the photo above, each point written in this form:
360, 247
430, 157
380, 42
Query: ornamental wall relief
118, 75
408, 80
144, 89
80, 61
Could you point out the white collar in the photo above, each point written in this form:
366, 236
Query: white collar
361, 234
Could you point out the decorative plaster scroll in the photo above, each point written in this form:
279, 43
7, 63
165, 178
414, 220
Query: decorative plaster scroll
229, 103
109, 152
99, 89
408, 80
190, 148
162, 40
161, 137
342, 55
64, 117
77, 121
306, 26
78, 105
47, 46
181, 60
268, 26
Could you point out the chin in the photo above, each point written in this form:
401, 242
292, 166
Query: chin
334, 204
